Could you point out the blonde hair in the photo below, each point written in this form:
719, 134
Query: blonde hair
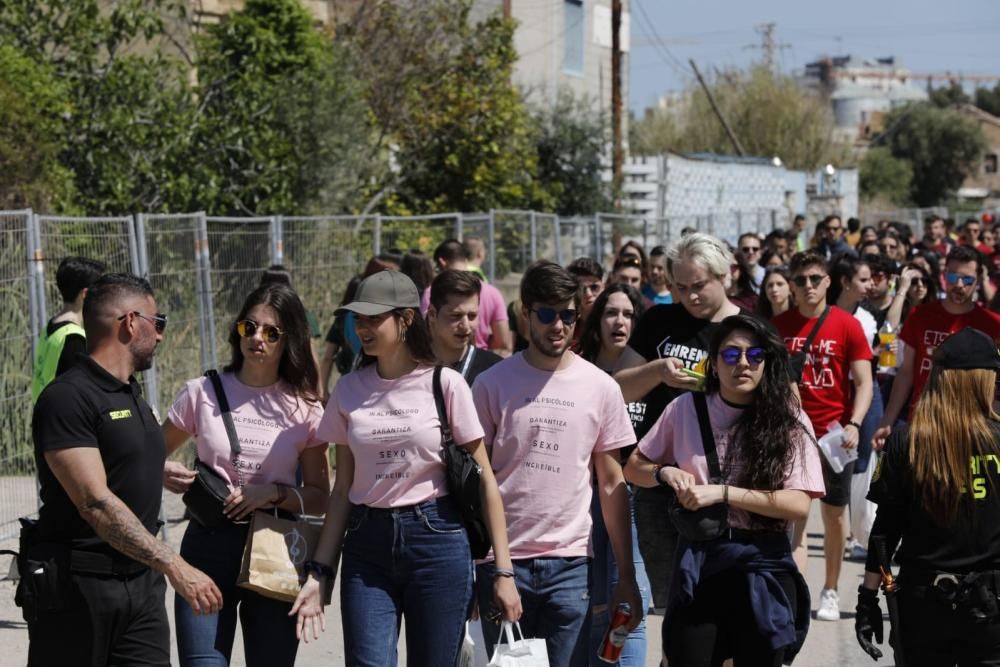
707, 250
951, 425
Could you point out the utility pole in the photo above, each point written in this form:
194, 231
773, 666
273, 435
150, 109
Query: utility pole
617, 150
715, 108
768, 45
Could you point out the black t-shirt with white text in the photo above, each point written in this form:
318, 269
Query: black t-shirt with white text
969, 543
669, 331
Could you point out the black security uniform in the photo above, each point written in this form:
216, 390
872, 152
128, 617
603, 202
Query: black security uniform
86, 603
955, 620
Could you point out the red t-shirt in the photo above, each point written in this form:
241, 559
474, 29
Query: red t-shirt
826, 381
929, 324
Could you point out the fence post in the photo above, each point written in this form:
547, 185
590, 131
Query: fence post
557, 226
277, 241
599, 239
533, 222
377, 235
133, 246
142, 261
459, 226
34, 314
491, 233
140, 240
39, 268
206, 273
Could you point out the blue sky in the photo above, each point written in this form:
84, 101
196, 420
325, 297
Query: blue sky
927, 36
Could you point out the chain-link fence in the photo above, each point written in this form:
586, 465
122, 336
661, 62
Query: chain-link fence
201, 269
914, 217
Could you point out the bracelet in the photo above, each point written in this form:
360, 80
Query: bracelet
725, 494
657, 477
503, 572
321, 570
854, 424
282, 494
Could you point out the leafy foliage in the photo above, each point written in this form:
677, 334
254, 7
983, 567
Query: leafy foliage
769, 115
949, 95
988, 99
882, 174
941, 145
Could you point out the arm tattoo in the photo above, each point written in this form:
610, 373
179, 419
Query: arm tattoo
117, 525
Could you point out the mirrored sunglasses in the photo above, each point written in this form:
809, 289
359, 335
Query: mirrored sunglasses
731, 355
248, 329
953, 278
815, 279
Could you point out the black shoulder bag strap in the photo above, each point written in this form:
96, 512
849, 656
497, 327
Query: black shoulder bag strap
707, 438
446, 437
227, 419
815, 330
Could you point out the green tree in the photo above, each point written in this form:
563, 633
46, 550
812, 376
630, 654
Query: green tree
769, 115
941, 146
440, 88
32, 103
883, 174
283, 125
950, 95
988, 99
572, 141
128, 113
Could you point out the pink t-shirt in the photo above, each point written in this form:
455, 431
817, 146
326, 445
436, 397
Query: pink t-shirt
543, 427
491, 309
676, 439
273, 426
394, 433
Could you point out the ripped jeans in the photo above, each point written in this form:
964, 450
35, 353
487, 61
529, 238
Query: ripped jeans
555, 595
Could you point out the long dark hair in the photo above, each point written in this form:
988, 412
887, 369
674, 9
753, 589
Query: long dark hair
845, 267
417, 341
764, 307
590, 337
297, 366
762, 442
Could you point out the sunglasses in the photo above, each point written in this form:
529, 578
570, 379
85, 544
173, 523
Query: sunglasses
248, 329
159, 320
548, 315
750, 249
923, 282
953, 278
732, 355
814, 278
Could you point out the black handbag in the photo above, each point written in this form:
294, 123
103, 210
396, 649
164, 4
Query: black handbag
464, 476
707, 523
205, 498
797, 360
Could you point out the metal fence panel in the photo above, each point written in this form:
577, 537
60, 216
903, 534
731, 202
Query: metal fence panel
169, 247
323, 253
239, 249
18, 495
420, 232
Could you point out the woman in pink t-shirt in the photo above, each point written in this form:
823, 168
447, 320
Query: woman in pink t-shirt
270, 385
739, 595
403, 546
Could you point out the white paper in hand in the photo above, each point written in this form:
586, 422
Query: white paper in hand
520, 653
831, 444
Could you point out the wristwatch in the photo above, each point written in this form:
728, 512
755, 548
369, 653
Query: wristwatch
656, 476
321, 570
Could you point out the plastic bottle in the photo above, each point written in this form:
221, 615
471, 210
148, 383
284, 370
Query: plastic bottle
886, 337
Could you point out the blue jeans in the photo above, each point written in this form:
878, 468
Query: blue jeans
868, 426
604, 579
207, 640
413, 561
555, 596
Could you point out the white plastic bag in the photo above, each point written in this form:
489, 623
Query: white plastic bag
467, 652
521, 653
831, 445
862, 509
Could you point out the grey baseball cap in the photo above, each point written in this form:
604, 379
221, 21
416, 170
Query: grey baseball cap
383, 291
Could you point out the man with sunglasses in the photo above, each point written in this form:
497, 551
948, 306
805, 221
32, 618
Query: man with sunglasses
830, 232
92, 587
926, 328
838, 357
550, 418
750, 248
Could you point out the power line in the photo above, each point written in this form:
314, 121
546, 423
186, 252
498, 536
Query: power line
664, 52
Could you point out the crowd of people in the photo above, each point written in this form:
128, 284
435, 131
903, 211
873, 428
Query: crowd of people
649, 436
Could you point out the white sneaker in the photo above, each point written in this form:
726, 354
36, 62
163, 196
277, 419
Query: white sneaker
829, 606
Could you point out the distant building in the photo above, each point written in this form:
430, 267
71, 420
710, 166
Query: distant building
984, 184
861, 91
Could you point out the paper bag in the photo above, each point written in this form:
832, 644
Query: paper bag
275, 551
521, 653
